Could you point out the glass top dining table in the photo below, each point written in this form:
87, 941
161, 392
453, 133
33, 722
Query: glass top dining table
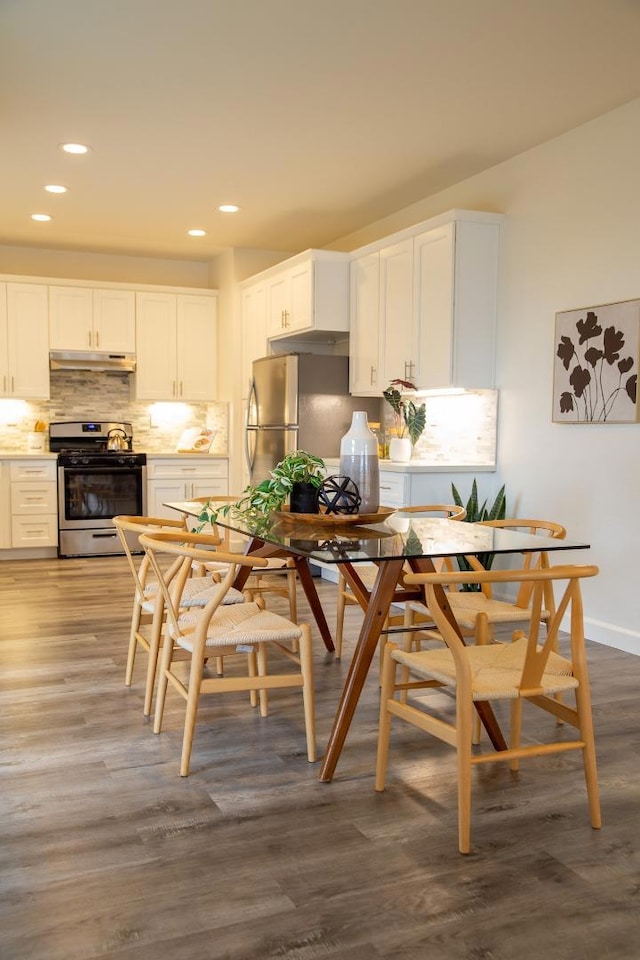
400, 540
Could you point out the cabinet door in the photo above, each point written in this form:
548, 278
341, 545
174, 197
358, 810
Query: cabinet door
114, 321
5, 382
434, 299
278, 304
71, 318
5, 503
160, 492
363, 343
156, 377
254, 331
197, 348
27, 340
398, 337
300, 309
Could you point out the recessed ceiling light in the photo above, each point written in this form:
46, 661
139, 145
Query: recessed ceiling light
55, 188
74, 148
197, 233
228, 208
41, 216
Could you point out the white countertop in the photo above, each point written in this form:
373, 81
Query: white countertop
422, 466
180, 456
28, 455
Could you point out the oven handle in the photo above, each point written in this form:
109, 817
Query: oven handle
105, 536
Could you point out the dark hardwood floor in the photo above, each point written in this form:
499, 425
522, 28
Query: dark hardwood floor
106, 851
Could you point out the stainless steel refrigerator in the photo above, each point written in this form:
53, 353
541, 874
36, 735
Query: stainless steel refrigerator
299, 401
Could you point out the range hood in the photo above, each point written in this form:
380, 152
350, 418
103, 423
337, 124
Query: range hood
98, 362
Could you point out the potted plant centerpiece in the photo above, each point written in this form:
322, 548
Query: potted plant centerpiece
297, 477
409, 420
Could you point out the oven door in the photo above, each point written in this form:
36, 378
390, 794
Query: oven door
88, 499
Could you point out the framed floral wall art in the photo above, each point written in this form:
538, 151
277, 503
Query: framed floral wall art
595, 376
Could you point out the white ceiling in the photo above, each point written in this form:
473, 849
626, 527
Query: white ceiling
316, 116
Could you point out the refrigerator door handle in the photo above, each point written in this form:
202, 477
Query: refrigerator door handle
252, 407
249, 454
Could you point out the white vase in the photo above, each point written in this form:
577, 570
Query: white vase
400, 449
359, 461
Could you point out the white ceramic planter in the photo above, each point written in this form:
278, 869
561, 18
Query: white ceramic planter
400, 449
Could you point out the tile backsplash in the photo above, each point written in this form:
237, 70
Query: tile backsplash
461, 428
81, 395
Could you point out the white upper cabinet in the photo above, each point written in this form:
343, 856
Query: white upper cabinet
436, 306
98, 319
254, 330
365, 325
24, 341
398, 330
176, 347
456, 286
307, 294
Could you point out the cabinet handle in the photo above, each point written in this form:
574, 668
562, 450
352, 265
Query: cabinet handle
97, 338
173, 388
181, 388
373, 375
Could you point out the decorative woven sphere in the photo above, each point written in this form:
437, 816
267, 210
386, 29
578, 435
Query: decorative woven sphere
339, 495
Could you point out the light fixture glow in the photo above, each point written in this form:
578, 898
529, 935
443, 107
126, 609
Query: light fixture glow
41, 216
74, 148
197, 233
228, 208
168, 414
55, 188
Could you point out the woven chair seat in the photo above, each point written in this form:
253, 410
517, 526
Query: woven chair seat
239, 624
197, 593
496, 669
467, 606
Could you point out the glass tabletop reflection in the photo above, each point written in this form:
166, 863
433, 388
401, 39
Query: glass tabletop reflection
400, 535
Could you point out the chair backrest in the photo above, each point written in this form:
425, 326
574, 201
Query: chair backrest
537, 654
449, 511
187, 549
139, 526
531, 561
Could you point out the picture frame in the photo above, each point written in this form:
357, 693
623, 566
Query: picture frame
596, 357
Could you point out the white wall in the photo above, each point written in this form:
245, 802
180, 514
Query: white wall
571, 239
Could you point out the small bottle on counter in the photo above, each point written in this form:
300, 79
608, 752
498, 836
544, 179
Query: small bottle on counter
359, 461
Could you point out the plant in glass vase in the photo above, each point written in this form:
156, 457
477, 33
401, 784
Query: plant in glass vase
409, 419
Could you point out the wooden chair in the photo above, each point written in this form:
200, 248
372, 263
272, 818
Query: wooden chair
222, 630
277, 579
368, 572
522, 669
478, 613
147, 616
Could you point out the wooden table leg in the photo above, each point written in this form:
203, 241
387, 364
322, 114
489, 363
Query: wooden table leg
309, 587
262, 549
377, 610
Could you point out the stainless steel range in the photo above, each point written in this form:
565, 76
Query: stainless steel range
99, 477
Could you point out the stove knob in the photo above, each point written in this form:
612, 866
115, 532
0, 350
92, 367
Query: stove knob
85, 461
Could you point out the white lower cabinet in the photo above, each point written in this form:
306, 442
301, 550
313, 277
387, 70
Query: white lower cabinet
170, 479
393, 489
34, 504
